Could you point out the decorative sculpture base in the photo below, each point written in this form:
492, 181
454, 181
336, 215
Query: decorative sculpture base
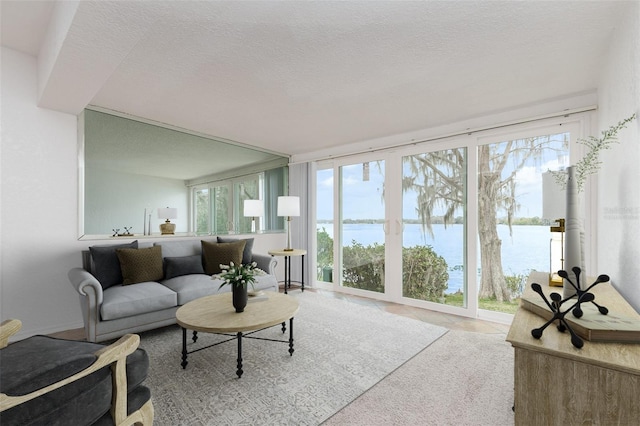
583, 296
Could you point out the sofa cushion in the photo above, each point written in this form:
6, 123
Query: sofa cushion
140, 265
125, 301
191, 287
39, 361
106, 265
184, 265
247, 253
216, 254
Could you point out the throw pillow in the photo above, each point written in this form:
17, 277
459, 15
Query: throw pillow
183, 265
140, 265
247, 253
216, 254
105, 263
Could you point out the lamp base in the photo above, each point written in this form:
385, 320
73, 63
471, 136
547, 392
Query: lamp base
287, 249
167, 228
555, 280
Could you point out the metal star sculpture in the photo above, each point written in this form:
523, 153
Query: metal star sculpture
583, 296
577, 312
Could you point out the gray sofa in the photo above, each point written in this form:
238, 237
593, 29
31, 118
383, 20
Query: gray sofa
122, 291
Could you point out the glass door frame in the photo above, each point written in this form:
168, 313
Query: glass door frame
470, 307
393, 226
580, 124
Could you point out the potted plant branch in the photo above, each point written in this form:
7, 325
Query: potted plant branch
590, 163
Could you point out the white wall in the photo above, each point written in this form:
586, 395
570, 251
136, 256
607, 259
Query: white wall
618, 189
38, 206
119, 199
39, 203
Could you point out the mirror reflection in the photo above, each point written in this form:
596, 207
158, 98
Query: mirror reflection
134, 170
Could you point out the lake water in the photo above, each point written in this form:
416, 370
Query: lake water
525, 250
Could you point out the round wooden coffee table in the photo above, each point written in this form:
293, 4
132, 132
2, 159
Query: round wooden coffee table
216, 314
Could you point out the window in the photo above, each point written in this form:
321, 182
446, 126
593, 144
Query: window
454, 225
218, 206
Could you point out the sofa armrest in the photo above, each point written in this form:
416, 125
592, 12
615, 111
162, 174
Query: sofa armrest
115, 356
7, 329
86, 284
265, 262
90, 292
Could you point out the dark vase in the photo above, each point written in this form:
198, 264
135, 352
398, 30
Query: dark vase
240, 297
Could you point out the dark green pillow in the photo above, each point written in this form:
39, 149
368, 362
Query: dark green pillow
216, 254
140, 265
183, 265
247, 253
105, 264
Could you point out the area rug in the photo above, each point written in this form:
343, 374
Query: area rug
462, 378
341, 350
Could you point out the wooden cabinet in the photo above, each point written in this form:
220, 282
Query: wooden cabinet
558, 384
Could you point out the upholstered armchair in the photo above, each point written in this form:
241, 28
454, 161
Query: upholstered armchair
51, 381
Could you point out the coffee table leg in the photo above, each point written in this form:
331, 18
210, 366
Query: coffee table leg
184, 348
195, 336
291, 336
284, 327
239, 371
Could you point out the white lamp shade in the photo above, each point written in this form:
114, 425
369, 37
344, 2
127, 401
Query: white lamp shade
253, 208
167, 213
289, 206
554, 198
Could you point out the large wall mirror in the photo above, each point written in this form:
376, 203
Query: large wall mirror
131, 168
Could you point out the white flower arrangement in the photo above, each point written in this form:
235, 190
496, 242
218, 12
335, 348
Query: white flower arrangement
238, 275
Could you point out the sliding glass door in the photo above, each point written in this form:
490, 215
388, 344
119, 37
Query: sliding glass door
362, 225
455, 225
393, 226
513, 230
434, 186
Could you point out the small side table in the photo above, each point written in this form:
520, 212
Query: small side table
287, 264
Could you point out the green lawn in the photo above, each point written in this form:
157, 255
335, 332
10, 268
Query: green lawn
488, 304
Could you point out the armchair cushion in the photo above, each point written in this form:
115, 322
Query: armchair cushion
105, 264
39, 361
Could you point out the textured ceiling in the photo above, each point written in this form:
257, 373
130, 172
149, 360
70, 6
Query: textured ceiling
296, 77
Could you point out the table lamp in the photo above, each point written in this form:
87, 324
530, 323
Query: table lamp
167, 228
553, 209
288, 206
253, 209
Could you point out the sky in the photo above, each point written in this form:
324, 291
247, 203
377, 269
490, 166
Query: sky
363, 198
